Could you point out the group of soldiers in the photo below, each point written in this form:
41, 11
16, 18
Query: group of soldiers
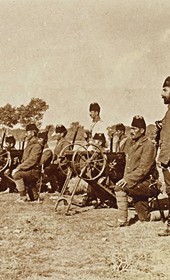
140, 178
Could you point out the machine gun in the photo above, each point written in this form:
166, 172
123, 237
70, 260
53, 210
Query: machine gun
5, 158
91, 164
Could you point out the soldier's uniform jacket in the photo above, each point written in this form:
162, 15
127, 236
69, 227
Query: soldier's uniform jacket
164, 156
140, 162
31, 155
61, 144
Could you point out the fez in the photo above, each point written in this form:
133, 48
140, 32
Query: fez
120, 126
43, 135
60, 129
138, 121
10, 139
31, 127
99, 136
166, 82
94, 107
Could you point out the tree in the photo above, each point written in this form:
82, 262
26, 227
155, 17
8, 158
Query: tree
8, 116
33, 112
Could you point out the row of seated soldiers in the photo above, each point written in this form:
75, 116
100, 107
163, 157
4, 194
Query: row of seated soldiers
24, 170
37, 153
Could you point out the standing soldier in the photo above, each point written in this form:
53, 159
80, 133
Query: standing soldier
28, 171
164, 155
97, 125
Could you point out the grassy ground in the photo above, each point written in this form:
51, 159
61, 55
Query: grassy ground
38, 243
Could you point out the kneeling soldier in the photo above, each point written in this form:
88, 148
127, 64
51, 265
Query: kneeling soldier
28, 171
140, 171
55, 175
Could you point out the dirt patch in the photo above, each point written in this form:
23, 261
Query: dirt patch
38, 243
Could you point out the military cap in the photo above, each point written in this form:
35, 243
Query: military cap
138, 121
10, 139
166, 82
32, 126
120, 126
60, 128
43, 135
94, 107
99, 136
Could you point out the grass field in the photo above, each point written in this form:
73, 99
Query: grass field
38, 243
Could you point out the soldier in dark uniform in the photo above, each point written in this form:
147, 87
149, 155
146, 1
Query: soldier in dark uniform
99, 140
10, 142
55, 175
140, 173
164, 155
121, 142
28, 171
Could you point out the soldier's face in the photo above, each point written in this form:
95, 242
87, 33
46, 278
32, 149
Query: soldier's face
59, 136
119, 133
29, 134
136, 132
93, 114
98, 143
166, 95
9, 145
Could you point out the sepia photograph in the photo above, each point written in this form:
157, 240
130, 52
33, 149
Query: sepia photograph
84, 139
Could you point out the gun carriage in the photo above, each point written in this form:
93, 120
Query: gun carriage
8, 161
90, 163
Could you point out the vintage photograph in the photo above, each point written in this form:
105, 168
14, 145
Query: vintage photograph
84, 139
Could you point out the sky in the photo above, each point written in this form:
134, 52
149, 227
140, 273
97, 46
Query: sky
74, 52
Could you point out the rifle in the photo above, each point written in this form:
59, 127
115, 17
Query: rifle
74, 138
3, 139
23, 144
111, 143
158, 132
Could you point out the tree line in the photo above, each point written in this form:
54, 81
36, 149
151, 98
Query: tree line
34, 112
24, 114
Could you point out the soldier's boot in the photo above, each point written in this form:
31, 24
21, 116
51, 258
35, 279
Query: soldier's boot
122, 205
35, 192
142, 209
166, 232
54, 185
21, 189
32, 192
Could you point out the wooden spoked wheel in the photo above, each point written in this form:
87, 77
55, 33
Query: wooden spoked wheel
5, 160
89, 162
65, 158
